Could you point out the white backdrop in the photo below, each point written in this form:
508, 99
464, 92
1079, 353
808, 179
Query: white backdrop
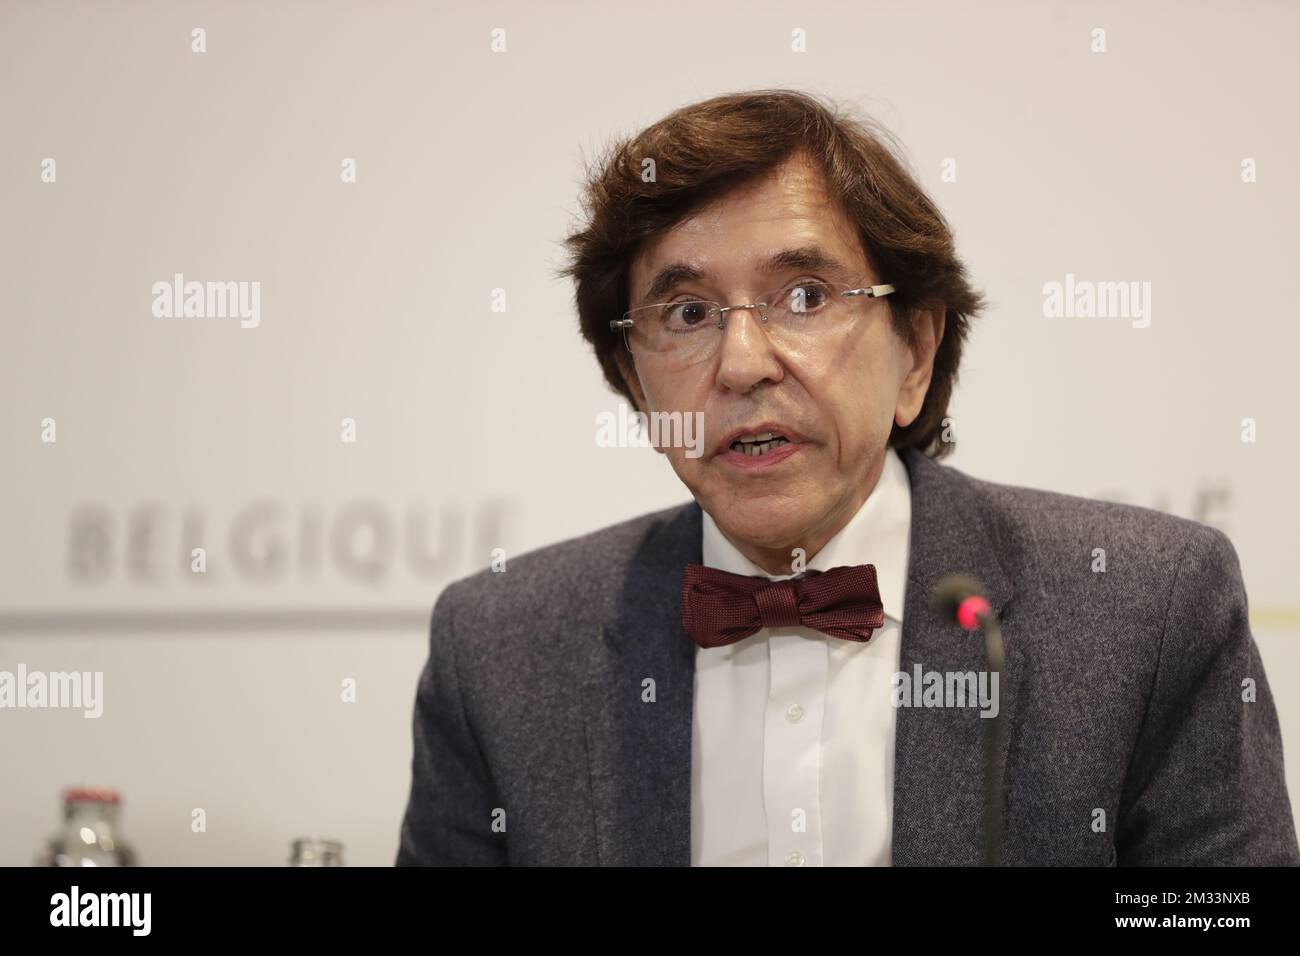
475, 428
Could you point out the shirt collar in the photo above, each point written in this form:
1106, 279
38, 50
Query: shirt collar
878, 534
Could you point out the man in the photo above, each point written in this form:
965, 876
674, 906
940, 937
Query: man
742, 680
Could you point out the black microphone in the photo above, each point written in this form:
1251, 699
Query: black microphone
961, 598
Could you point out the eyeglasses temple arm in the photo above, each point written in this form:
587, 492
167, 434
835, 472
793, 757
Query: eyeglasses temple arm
872, 291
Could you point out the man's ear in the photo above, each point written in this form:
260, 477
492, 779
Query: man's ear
628, 371
927, 333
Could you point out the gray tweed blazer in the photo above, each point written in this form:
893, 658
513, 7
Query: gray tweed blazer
1122, 691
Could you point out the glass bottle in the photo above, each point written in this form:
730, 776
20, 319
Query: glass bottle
90, 835
315, 851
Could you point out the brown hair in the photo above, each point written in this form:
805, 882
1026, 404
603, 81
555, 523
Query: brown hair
703, 150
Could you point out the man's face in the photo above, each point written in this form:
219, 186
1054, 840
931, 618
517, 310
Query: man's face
835, 398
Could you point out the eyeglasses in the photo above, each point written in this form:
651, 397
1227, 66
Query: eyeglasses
686, 331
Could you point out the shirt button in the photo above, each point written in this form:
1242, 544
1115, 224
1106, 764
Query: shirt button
794, 858
794, 713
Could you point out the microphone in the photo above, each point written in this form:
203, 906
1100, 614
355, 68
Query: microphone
960, 598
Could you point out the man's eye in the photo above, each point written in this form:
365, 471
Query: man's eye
687, 314
806, 297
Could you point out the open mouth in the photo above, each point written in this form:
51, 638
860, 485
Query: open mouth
755, 446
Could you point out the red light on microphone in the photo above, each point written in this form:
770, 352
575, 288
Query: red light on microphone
969, 610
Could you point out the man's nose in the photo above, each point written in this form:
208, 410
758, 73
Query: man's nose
747, 357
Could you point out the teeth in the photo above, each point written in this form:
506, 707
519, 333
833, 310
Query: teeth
755, 448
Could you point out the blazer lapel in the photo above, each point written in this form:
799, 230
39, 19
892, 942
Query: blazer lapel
639, 750
938, 754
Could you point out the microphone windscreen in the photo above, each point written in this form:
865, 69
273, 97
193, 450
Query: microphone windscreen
954, 589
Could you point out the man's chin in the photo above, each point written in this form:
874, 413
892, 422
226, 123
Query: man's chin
765, 529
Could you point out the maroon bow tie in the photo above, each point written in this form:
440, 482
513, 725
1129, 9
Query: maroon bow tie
720, 608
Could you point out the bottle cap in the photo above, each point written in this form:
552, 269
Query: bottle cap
91, 795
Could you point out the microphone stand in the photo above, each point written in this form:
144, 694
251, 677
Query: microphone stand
993, 821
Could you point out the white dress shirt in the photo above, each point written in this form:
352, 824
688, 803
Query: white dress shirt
792, 760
